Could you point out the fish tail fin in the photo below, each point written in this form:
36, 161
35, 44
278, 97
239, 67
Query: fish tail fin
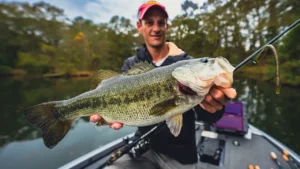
45, 117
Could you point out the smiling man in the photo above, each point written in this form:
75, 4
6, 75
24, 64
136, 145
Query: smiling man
168, 151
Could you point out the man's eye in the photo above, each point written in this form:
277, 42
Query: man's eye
161, 23
149, 22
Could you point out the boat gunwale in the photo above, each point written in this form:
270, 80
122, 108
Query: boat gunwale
97, 154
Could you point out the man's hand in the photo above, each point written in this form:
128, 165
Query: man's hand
216, 98
96, 118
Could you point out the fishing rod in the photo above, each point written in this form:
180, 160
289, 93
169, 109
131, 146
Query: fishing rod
119, 153
269, 43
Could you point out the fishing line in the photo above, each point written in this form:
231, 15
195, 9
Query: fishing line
269, 43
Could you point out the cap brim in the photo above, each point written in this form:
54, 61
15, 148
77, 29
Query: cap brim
142, 14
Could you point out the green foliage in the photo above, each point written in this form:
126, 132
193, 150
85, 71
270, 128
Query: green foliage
33, 64
40, 39
290, 48
291, 72
4, 69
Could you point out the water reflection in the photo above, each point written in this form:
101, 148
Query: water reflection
275, 114
22, 146
19, 94
80, 140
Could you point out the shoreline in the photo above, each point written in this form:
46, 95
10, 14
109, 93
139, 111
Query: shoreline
256, 74
23, 74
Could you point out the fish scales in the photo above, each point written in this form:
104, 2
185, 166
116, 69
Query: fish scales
121, 101
135, 107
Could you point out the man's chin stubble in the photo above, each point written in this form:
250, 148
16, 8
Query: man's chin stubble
159, 46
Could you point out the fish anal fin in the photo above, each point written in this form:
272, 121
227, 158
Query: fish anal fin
102, 122
103, 75
175, 123
140, 67
163, 107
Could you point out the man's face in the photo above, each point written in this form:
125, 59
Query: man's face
154, 28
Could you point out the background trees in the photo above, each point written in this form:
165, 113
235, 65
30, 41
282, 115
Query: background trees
40, 39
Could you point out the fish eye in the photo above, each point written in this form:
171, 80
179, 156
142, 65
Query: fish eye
204, 60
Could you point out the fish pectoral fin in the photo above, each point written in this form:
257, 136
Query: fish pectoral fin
102, 122
103, 75
175, 124
163, 107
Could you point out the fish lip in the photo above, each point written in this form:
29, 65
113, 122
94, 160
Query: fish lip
185, 90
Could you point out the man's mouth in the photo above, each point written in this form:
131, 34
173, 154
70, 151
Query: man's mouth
156, 36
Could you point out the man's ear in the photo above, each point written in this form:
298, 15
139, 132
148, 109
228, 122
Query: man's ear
139, 25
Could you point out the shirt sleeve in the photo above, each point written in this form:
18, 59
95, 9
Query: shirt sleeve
207, 117
129, 62
125, 66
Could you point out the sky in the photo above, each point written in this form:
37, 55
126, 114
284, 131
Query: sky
102, 10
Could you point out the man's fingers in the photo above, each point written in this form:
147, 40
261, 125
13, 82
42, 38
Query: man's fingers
207, 107
218, 95
229, 92
217, 98
95, 118
116, 126
209, 99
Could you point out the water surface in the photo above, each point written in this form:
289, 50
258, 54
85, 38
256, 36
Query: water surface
21, 145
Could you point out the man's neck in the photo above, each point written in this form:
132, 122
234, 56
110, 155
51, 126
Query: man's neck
158, 54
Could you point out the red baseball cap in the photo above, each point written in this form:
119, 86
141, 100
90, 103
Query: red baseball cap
146, 6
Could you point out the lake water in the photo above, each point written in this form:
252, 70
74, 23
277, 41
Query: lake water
21, 145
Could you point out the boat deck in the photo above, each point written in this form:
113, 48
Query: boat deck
235, 152
255, 151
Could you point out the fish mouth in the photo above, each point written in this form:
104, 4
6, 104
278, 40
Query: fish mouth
185, 90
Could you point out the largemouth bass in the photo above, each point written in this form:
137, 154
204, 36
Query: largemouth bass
143, 96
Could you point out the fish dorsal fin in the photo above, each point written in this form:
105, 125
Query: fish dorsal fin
175, 124
103, 76
140, 67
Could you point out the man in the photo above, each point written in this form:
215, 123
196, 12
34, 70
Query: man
167, 151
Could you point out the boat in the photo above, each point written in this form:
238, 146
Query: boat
231, 143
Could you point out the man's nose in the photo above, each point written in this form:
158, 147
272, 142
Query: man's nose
156, 27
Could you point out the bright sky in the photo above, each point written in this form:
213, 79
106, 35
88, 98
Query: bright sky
103, 10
